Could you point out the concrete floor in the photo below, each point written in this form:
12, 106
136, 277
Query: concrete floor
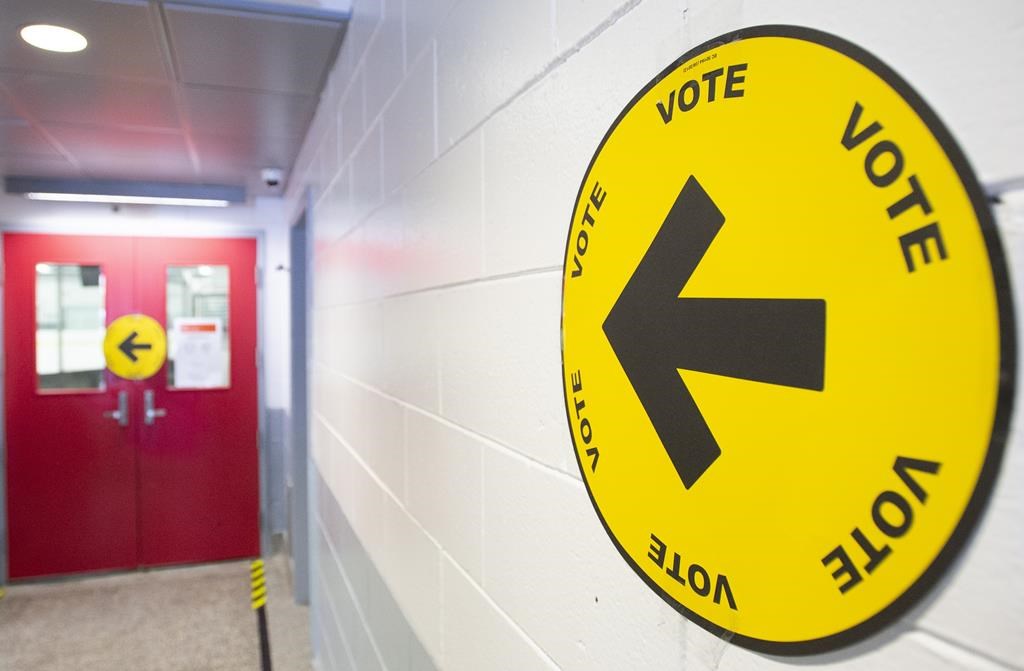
184, 619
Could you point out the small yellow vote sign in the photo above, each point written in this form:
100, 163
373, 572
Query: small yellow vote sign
787, 340
135, 347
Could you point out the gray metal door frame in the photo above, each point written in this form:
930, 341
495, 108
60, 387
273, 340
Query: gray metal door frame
298, 454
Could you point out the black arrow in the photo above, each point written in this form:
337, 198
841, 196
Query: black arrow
128, 346
654, 333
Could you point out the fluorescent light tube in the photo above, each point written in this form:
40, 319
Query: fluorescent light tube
125, 192
126, 200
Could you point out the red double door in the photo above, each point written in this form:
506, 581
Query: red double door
107, 473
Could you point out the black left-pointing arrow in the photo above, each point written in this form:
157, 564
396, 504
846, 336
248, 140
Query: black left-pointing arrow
654, 333
128, 346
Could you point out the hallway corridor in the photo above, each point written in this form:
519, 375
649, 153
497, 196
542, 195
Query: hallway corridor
182, 619
517, 335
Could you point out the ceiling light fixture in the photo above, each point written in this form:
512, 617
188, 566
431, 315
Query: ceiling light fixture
127, 200
125, 192
54, 38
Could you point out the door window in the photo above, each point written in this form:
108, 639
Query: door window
70, 318
198, 326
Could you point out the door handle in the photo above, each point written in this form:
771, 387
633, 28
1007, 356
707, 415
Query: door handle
121, 414
151, 414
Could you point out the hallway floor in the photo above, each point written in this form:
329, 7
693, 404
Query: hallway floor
183, 619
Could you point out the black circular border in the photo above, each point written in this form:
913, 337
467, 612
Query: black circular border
1007, 352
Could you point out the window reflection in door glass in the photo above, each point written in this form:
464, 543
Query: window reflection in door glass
199, 350
70, 318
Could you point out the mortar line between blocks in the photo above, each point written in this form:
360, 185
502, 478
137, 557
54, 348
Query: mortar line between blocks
483, 519
501, 613
442, 287
441, 604
329, 602
325, 651
506, 449
338, 629
402, 186
390, 100
401, 506
438, 363
328, 189
362, 95
351, 593
938, 642
483, 202
383, 486
559, 60
405, 39
380, 484
437, 141
405, 454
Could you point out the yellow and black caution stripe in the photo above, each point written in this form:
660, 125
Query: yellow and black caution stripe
259, 584
258, 595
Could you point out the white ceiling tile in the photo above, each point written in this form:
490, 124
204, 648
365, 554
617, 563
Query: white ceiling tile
37, 166
247, 113
108, 166
122, 39
100, 101
246, 151
248, 50
94, 146
248, 88
7, 110
19, 137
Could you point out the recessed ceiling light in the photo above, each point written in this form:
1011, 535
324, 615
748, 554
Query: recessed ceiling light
54, 38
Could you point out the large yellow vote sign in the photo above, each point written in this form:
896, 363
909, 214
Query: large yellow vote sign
135, 347
787, 340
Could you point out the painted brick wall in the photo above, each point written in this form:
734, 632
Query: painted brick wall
452, 529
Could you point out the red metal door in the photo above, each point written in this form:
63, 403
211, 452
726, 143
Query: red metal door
71, 496
177, 484
199, 464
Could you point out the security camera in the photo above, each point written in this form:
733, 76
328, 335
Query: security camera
272, 177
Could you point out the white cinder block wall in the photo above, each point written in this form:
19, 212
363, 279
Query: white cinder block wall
452, 529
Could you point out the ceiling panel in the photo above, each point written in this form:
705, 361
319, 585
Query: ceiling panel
7, 110
238, 84
142, 147
121, 34
94, 100
109, 166
247, 112
19, 137
222, 151
37, 166
253, 51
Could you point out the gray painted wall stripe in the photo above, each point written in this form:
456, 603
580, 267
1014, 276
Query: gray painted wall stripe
353, 609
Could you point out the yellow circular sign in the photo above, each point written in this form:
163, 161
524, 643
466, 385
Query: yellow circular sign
135, 347
787, 340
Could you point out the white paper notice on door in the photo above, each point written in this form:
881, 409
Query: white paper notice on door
198, 353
